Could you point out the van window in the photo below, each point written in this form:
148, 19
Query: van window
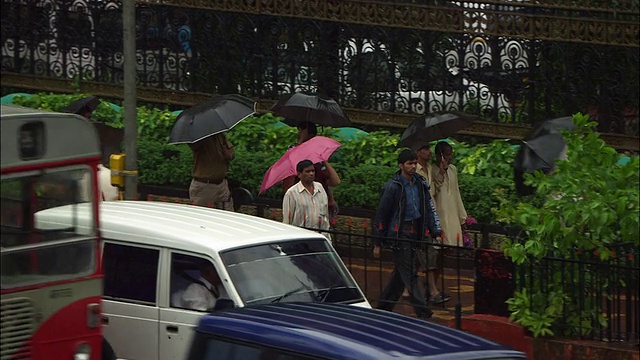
130, 273
300, 270
211, 348
195, 283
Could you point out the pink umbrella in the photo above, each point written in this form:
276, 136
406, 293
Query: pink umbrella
316, 149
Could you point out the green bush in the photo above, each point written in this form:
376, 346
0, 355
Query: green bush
56, 102
589, 205
360, 185
364, 163
479, 195
494, 159
163, 164
248, 169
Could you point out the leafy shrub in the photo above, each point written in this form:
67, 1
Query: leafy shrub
163, 164
248, 169
479, 195
589, 205
362, 185
155, 124
494, 159
257, 134
56, 102
364, 163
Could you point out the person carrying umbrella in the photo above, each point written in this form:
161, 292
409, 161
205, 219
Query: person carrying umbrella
203, 127
306, 203
209, 186
325, 174
417, 136
307, 111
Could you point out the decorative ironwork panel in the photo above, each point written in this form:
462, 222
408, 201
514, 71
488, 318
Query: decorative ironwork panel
591, 21
509, 62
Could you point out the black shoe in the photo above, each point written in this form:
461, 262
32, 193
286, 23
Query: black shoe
440, 298
425, 316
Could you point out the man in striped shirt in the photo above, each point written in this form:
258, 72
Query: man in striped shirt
306, 204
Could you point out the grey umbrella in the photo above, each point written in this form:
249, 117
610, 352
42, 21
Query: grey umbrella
211, 117
434, 127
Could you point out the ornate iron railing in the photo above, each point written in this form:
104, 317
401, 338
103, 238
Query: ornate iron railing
515, 62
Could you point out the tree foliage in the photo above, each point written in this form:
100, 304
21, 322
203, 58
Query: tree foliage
589, 205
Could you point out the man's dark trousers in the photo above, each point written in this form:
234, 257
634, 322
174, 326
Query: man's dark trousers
405, 274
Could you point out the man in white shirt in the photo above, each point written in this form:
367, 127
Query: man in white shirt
108, 192
306, 204
202, 295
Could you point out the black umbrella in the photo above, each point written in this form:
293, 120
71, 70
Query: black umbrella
211, 117
552, 126
540, 153
80, 106
434, 127
540, 149
300, 107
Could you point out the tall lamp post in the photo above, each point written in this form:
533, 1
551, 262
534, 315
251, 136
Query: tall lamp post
130, 107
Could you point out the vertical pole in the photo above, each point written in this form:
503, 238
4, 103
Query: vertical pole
130, 107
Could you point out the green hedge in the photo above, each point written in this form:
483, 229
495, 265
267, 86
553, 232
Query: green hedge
479, 195
364, 163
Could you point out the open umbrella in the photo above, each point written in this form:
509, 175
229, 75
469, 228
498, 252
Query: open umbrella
316, 149
300, 107
540, 153
434, 127
211, 117
540, 149
80, 106
552, 126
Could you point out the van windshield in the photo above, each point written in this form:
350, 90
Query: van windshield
301, 270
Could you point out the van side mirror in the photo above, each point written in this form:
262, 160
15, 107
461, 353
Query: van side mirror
223, 304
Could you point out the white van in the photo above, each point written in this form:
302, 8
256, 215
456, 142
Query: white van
152, 251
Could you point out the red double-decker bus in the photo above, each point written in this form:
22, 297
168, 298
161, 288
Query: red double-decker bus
51, 279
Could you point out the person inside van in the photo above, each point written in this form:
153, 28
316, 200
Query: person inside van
203, 294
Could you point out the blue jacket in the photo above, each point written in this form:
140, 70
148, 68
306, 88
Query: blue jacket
391, 210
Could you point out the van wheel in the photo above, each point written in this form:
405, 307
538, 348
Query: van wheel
107, 351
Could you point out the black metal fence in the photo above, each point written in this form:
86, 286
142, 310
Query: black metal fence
592, 298
588, 297
596, 299
454, 266
506, 63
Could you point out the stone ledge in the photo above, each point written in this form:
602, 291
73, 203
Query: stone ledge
505, 332
500, 330
583, 349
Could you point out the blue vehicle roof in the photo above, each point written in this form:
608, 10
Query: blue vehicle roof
336, 331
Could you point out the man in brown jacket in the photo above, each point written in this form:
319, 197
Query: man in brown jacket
209, 186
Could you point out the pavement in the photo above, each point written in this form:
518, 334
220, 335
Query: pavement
373, 276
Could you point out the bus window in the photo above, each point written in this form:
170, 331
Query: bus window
70, 247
